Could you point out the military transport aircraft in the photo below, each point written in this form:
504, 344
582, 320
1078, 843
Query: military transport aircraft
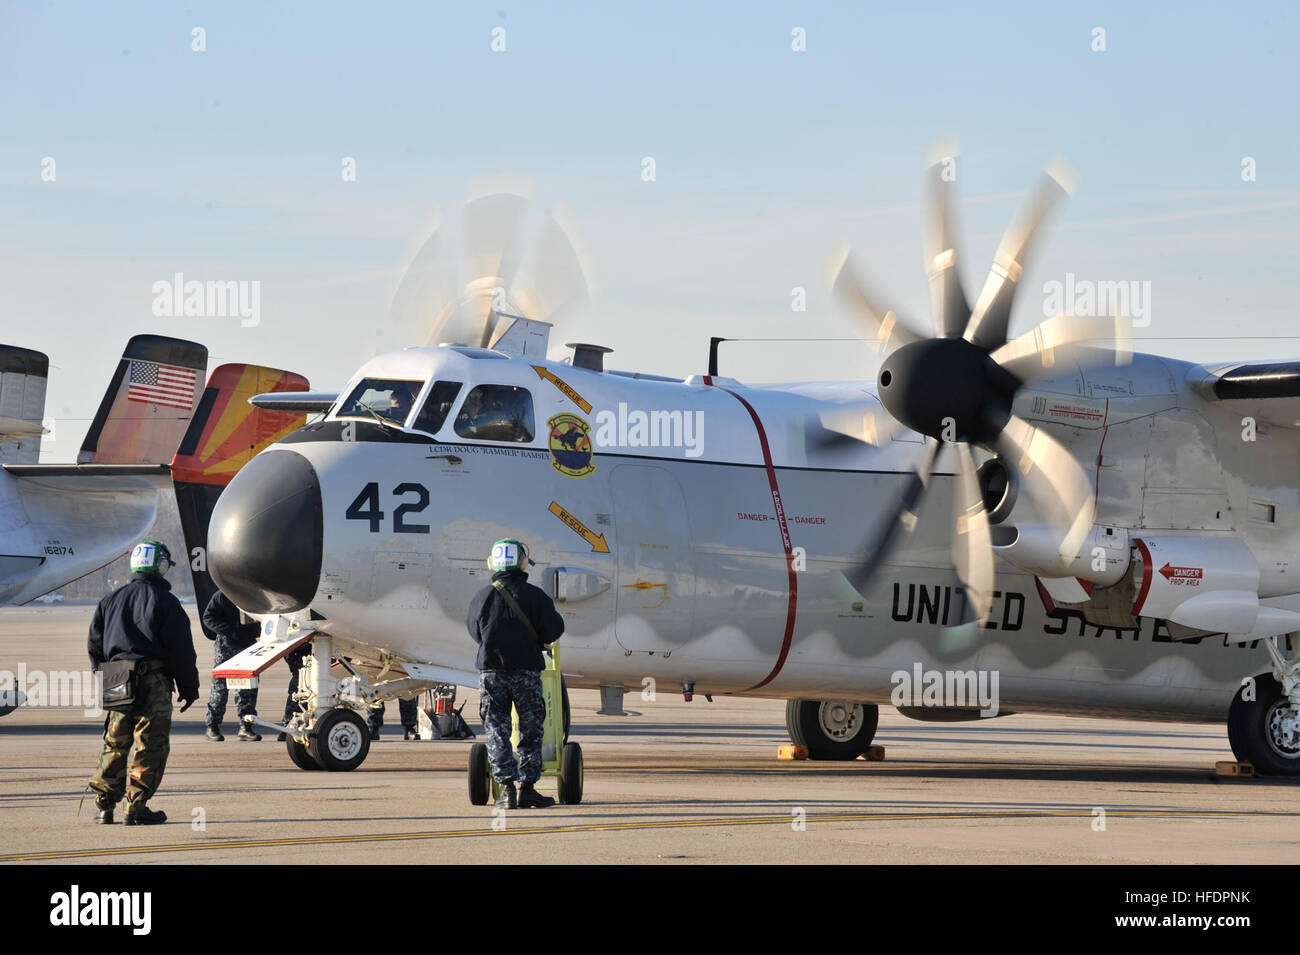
59, 522
62, 521
1111, 534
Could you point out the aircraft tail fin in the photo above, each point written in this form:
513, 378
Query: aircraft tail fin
148, 403
23, 375
224, 435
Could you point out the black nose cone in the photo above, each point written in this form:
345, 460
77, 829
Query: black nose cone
265, 534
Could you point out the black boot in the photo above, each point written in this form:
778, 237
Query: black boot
410, 733
247, 733
214, 733
138, 814
508, 799
530, 798
104, 817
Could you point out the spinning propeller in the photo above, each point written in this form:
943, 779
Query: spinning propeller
958, 386
497, 264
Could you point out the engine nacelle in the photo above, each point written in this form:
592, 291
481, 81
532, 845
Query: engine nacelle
1207, 583
1102, 560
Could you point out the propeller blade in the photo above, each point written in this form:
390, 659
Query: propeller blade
988, 321
1056, 343
972, 550
951, 311
1053, 479
552, 282
907, 507
879, 326
427, 292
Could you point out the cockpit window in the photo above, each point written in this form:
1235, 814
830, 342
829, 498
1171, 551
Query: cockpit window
389, 398
496, 413
434, 413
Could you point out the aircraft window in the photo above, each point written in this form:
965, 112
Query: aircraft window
389, 398
496, 413
434, 413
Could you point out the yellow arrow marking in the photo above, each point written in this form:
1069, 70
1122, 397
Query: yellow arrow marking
565, 390
597, 542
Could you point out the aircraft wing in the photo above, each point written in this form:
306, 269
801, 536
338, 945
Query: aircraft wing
93, 477
1267, 390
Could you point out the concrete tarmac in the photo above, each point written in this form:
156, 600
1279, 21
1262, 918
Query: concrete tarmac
670, 782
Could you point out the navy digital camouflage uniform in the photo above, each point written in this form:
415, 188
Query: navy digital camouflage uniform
222, 618
509, 663
407, 710
498, 691
142, 621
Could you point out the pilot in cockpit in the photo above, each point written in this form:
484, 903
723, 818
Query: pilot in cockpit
399, 406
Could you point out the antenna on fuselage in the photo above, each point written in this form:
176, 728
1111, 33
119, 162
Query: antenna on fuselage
714, 342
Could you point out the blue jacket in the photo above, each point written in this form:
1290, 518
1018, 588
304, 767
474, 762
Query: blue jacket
145, 621
504, 642
222, 617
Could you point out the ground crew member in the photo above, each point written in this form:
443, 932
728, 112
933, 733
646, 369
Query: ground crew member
142, 621
407, 710
235, 633
511, 620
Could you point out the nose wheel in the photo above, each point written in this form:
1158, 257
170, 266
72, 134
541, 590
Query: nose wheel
340, 741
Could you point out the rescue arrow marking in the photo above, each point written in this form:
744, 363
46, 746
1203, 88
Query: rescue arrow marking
597, 541
1181, 573
565, 390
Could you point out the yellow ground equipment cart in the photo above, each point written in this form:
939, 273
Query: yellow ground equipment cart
560, 760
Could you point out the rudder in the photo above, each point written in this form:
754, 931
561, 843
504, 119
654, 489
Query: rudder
148, 404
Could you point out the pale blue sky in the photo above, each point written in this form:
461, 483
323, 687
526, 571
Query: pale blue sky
225, 165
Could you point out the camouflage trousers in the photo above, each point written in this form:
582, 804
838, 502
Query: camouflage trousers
245, 700
150, 723
498, 689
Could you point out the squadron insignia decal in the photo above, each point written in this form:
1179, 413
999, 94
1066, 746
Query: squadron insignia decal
570, 444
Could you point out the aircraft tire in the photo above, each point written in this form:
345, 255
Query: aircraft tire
1256, 733
300, 756
480, 775
831, 729
340, 741
571, 773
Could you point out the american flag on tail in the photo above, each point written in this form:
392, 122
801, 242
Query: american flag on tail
156, 384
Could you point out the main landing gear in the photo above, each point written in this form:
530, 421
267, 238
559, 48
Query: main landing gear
1264, 718
832, 729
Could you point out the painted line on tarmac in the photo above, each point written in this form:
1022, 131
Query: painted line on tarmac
628, 827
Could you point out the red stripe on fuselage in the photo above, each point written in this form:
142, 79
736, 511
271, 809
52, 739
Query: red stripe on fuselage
785, 537
1146, 578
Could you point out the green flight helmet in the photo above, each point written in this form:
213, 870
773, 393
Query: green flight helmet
508, 555
151, 557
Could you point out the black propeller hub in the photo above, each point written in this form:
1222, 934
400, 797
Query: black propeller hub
947, 388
